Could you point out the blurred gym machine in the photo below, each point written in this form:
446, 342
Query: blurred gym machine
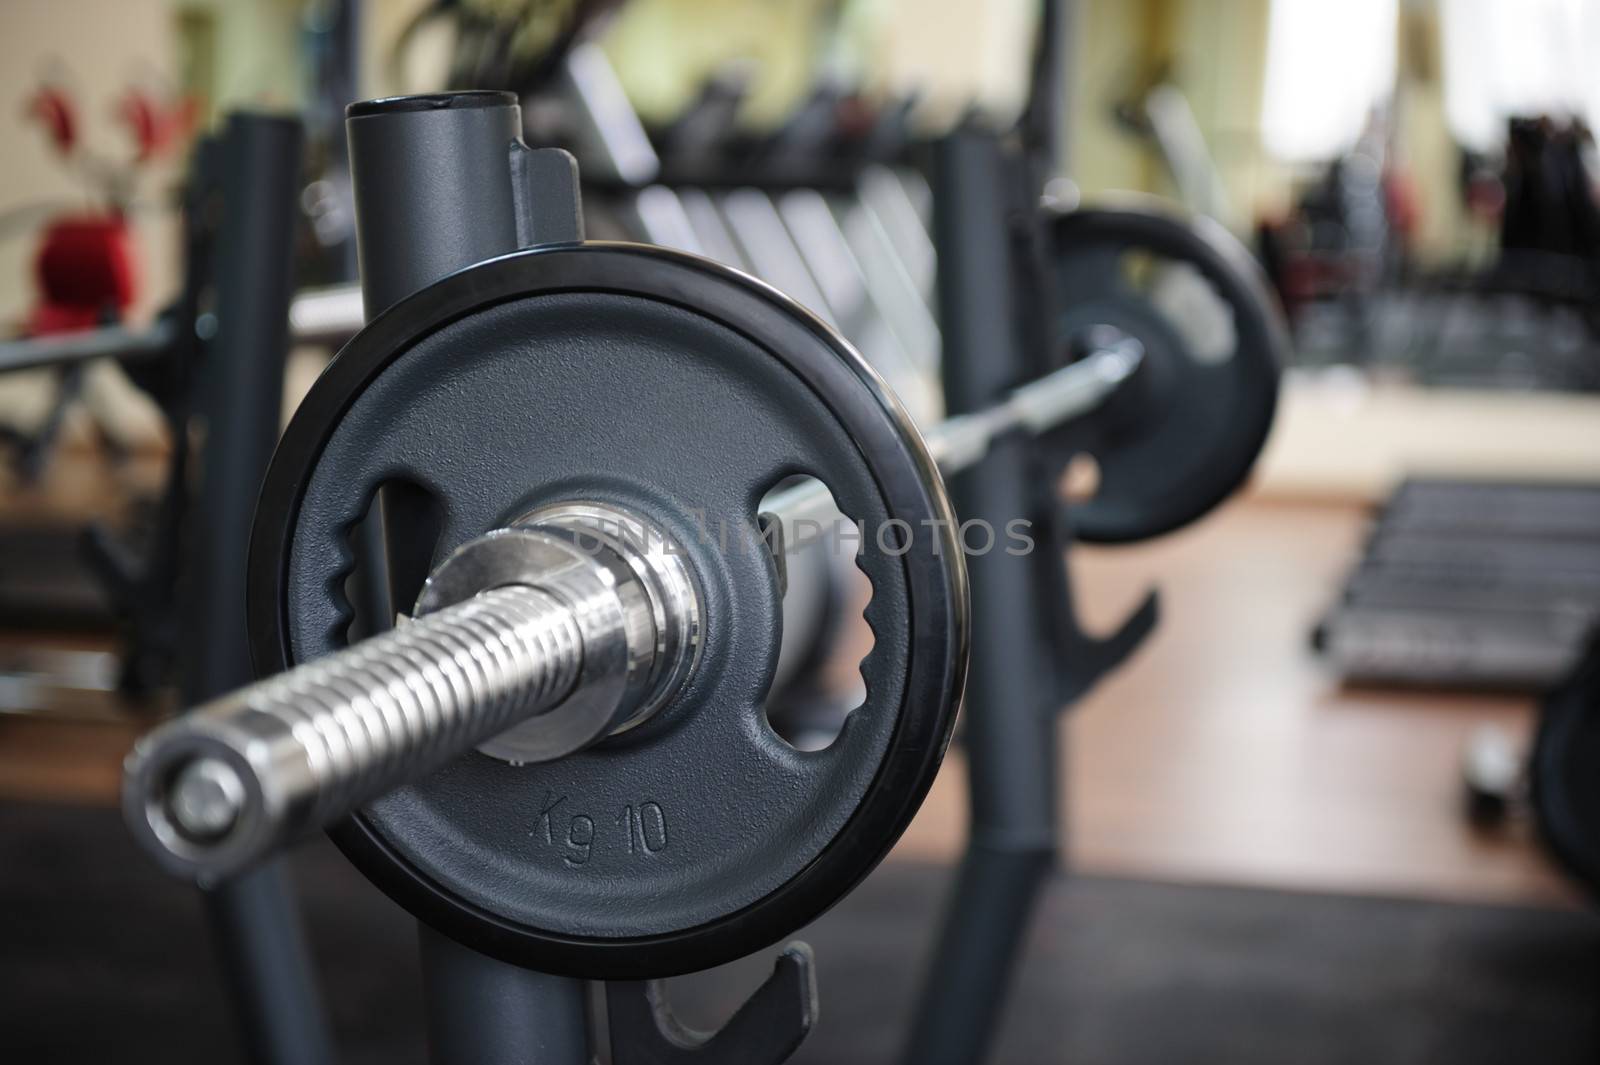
123, 573
85, 268
86, 274
1523, 319
1342, 266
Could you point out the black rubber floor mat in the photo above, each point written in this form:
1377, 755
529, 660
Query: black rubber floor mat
104, 960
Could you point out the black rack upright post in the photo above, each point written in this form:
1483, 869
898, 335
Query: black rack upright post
257, 931
1010, 717
440, 185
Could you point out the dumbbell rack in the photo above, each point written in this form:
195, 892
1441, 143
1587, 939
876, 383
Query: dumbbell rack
853, 248
1473, 584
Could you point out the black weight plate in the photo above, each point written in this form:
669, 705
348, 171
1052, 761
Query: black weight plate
1565, 772
1181, 435
683, 390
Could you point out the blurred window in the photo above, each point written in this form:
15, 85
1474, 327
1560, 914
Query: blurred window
1525, 58
1328, 65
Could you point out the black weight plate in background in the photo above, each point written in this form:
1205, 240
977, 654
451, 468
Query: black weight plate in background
1565, 772
680, 389
1182, 433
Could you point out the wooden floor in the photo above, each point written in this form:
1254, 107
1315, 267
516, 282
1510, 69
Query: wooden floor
1222, 753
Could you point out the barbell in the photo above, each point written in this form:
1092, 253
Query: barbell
562, 758
195, 788
574, 626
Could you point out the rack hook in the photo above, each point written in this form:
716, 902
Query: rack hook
766, 1030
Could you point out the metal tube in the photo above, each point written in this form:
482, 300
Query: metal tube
433, 187
243, 389
989, 913
755, 223
961, 442
329, 315
442, 183
483, 1011
1011, 722
262, 952
258, 934
608, 125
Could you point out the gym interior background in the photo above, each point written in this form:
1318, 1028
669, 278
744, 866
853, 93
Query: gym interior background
1334, 801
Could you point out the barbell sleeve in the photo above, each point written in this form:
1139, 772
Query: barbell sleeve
574, 627
237, 778
1037, 407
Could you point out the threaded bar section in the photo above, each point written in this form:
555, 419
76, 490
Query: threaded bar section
405, 702
521, 633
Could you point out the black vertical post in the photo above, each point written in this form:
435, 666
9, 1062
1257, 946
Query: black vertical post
487, 1012
1042, 129
257, 932
1063, 21
338, 78
433, 193
433, 187
442, 182
1010, 730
